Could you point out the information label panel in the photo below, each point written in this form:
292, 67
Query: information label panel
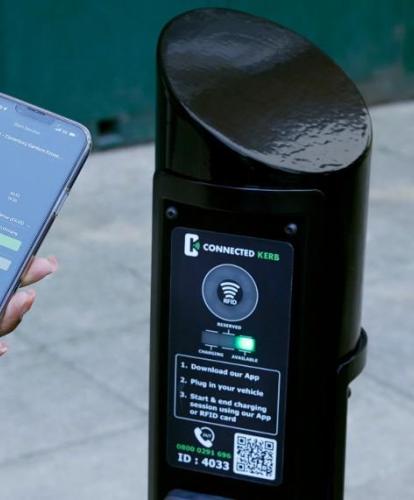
230, 300
227, 394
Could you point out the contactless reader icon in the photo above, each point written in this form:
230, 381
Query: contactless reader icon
230, 292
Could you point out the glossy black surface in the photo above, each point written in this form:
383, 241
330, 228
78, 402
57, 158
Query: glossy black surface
264, 91
259, 130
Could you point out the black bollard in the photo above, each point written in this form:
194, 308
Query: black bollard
260, 199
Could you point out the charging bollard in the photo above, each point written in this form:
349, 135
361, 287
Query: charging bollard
260, 197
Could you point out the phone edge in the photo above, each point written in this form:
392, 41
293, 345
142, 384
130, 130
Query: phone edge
37, 242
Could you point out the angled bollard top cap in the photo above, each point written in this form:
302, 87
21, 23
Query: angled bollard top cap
263, 91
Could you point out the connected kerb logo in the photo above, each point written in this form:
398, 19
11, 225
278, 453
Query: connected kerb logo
193, 247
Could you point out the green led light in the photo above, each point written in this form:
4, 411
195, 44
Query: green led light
243, 343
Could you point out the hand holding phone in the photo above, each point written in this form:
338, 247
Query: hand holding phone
41, 154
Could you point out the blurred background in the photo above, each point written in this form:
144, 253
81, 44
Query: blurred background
94, 60
74, 406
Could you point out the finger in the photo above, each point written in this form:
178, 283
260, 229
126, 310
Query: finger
3, 348
19, 304
39, 268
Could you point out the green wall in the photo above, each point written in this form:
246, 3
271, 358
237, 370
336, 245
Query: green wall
93, 60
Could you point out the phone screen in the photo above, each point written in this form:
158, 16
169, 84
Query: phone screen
38, 154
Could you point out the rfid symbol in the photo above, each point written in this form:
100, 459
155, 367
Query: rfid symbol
230, 293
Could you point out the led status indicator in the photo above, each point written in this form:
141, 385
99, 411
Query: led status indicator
244, 343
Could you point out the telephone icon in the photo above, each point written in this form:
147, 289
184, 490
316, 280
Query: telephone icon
205, 436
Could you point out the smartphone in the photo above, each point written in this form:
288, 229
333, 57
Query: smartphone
41, 155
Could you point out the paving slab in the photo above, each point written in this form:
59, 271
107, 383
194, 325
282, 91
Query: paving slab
380, 443
118, 362
108, 467
47, 404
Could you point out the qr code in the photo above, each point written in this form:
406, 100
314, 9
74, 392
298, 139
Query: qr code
254, 456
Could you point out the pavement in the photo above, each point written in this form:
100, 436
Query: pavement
74, 388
